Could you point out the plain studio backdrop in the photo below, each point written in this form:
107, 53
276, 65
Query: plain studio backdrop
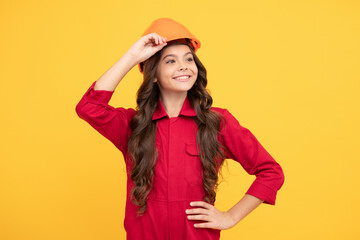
287, 70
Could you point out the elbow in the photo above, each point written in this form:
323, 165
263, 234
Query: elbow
79, 109
281, 178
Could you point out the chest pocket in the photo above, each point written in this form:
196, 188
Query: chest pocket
192, 166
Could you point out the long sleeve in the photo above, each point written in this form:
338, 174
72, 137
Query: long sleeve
112, 123
242, 146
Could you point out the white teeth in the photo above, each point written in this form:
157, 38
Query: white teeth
181, 78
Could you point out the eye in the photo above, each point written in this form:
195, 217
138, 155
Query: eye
189, 59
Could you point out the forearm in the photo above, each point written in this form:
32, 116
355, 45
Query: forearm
245, 206
112, 77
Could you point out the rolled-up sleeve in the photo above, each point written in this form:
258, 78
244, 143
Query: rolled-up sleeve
112, 123
242, 146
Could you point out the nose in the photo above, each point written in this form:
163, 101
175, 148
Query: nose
182, 67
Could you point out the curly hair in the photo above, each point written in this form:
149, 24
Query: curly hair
141, 144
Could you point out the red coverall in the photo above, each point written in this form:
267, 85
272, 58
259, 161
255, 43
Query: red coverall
177, 176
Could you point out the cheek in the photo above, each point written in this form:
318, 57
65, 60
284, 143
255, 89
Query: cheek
194, 68
195, 71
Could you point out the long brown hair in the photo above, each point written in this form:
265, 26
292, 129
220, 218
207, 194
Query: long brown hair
141, 144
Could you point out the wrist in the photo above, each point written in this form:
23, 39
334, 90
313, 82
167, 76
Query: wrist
232, 218
131, 59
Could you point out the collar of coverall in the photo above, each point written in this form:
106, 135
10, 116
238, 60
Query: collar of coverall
186, 110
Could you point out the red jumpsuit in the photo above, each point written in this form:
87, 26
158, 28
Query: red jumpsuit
177, 180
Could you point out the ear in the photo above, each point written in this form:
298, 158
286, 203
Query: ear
155, 80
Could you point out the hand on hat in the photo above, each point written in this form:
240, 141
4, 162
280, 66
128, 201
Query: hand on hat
147, 46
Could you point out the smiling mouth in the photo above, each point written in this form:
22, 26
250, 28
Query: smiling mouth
182, 78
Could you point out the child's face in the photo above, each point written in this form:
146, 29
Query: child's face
180, 63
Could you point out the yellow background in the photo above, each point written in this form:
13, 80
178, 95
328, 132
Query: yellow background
288, 71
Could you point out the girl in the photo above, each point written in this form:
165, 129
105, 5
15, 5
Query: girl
174, 143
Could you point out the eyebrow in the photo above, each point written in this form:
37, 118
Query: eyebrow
172, 55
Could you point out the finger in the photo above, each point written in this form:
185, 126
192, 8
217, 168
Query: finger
203, 225
158, 39
159, 47
197, 211
201, 204
152, 37
161, 40
149, 38
199, 217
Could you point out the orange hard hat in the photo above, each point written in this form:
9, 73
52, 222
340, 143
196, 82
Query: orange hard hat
172, 30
